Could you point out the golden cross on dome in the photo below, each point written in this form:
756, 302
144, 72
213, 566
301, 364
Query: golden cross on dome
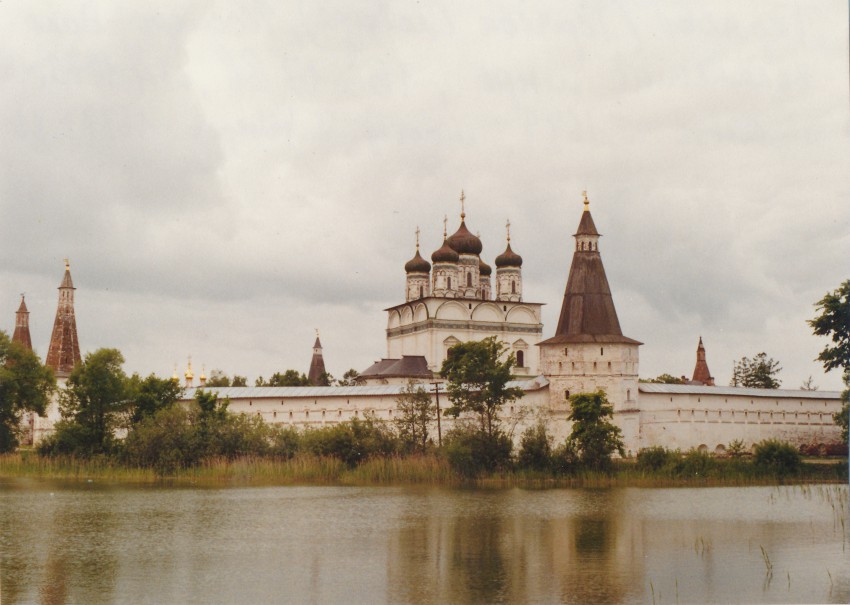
417, 237
67, 264
317, 332
586, 201
508, 227
445, 225
462, 200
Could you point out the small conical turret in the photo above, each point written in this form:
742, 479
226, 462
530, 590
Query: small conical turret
22, 326
701, 373
317, 375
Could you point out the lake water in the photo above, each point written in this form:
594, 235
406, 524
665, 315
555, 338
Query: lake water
90, 543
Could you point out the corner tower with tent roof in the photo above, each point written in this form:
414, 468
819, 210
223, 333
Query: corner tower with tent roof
588, 351
22, 326
64, 351
459, 305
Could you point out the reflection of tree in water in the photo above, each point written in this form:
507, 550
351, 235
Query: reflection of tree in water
478, 563
54, 585
484, 548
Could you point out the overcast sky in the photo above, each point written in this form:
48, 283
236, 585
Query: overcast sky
227, 176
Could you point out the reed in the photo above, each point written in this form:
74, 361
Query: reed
424, 469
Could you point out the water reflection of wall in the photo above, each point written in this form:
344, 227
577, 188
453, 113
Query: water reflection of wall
570, 546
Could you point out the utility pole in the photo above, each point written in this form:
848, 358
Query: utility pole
439, 428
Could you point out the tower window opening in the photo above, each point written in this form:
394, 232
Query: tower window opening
566, 352
628, 394
504, 307
567, 394
520, 359
421, 292
609, 365
469, 280
513, 287
601, 351
470, 306
449, 283
594, 365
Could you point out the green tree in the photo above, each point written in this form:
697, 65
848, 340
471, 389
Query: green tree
535, 448
808, 385
349, 379
96, 394
290, 378
833, 320
151, 394
759, 372
477, 381
594, 437
665, 379
217, 378
415, 412
25, 386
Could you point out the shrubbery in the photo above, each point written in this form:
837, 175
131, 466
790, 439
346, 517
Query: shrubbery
777, 458
471, 452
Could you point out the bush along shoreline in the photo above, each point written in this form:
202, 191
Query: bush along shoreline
189, 446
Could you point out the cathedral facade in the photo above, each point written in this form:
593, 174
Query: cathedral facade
456, 300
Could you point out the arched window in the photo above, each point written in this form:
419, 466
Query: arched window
628, 394
520, 359
469, 280
421, 291
567, 395
513, 287
449, 283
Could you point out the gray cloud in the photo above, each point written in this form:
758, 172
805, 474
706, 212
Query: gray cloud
225, 178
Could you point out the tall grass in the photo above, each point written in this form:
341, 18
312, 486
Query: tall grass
425, 469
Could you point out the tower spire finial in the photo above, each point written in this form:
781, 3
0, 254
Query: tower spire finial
508, 228
317, 332
462, 207
417, 238
445, 226
67, 264
586, 201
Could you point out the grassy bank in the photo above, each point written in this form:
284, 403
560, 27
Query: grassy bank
393, 470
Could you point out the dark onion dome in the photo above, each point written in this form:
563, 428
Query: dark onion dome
445, 254
417, 264
464, 242
508, 258
483, 268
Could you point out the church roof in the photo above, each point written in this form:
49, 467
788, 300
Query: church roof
463, 241
508, 258
445, 254
409, 366
417, 264
587, 313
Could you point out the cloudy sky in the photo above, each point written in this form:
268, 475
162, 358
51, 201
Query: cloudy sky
225, 177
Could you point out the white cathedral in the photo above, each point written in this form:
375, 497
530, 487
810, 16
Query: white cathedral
453, 300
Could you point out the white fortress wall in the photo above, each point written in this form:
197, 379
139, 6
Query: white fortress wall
685, 417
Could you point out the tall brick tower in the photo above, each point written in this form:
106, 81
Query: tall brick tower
22, 326
317, 364
64, 351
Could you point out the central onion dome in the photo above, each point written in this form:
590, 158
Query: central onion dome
508, 258
445, 254
417, 264
483, 268
463, 241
